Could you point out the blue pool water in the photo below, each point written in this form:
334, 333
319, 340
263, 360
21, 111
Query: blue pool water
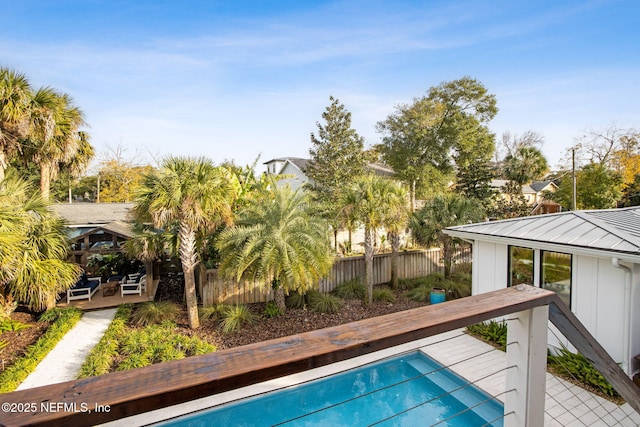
392, 392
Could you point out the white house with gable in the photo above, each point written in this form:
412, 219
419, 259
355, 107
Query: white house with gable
590, 258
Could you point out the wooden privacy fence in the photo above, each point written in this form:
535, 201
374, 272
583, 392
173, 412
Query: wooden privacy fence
214, 289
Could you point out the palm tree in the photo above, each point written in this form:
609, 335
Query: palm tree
277, 239
395, 221
32, 266
54, 137
440, 212
193, 195
371, 199
15, 95
525, 165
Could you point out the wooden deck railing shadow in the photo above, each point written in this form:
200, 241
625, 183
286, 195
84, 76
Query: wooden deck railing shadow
158, 386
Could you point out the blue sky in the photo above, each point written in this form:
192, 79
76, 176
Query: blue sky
238, 79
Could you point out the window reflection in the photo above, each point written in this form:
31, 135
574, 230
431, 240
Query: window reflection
520, 265
556, 274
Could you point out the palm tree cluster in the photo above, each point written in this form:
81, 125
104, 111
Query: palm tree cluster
33, 247
40, 127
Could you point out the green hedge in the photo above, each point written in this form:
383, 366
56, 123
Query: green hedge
63, 320
123, 347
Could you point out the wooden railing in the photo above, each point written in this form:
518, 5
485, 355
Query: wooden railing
158, 386
215, 289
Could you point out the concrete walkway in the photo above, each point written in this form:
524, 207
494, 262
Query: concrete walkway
64, 361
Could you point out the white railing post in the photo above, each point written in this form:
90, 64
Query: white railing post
526, 363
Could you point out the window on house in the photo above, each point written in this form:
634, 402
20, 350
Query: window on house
556, 274
520, 265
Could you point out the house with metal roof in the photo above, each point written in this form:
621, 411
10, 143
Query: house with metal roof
294, 168
590, 258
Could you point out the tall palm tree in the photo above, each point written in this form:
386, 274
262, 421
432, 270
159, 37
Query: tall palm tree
32, 269
54, 137
395, 222
440, 212
278, 239
193, 195
370, 199
15, 96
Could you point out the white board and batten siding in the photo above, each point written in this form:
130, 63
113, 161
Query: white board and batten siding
604, 297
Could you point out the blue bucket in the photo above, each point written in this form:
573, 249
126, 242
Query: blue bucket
437, 295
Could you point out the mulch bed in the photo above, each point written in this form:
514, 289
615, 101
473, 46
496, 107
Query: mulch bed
18, 341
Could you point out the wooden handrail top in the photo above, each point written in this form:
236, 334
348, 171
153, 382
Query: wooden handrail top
154, 387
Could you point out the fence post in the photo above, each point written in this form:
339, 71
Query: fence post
526, 368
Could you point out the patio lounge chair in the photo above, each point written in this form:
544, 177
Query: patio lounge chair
83, 289
133, 286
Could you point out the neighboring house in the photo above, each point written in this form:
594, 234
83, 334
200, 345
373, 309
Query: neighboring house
533, 195
294, 168
590, 258
95, 228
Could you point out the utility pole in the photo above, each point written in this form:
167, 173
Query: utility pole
573, 175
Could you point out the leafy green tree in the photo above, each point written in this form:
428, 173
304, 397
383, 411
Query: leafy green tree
419, 139
631, 193
194, 196
597, 187
33, 247
277, 239
440, 212
15, 95
374, 201
337, 158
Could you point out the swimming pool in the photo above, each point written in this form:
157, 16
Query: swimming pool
407, 390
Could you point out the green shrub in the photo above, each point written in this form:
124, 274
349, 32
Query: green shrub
383, 294
235, 317
419, 294
326, 303
295, 300
492, 331
272, 310
65, 319
7, 325
123, 348
352, 289
211, 312
312, 296
577, 367
457, 289
152, 312
433, 280
101, 358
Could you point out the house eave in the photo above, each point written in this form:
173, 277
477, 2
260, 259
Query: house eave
543, 245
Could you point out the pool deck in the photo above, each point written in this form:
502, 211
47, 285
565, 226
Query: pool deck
566, 405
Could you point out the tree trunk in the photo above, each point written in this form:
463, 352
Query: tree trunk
279, 299
368, 264
395, 247
447, 257
45, 179
3, 164
189, 259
